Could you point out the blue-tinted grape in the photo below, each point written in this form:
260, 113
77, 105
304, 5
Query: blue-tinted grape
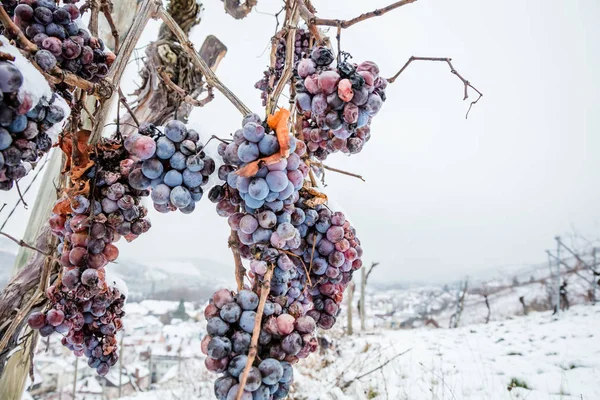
152, 168
253, 132
288, 372
178, 161
268, 145
165, 148
241, 342
237, 365
45, 60
262, 393
194, 163
230, 312
258, 189
248, 152
180, 197
176, 131
247, 321
271, 371
18, 125
217, 327
222, 386
138, 180
247, 299
5, 139
192, 179
219, 347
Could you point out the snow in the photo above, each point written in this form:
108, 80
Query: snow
554, 357
89, 385
35, 85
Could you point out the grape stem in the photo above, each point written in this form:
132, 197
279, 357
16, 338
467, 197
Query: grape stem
339, 171
264, 292
240, 271
184, 95
447, 60
199, 63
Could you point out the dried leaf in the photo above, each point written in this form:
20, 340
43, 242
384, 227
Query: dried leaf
316, 197
278, 122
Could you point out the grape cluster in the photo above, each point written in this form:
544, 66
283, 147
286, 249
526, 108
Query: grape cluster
60, 40
338, 103
301, 49
283, 340
274, 183
337, 254
173, 165
85, 309
23, 125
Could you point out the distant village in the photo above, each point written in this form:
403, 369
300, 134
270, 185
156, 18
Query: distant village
160, 346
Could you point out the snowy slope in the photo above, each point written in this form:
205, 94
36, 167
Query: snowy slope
555, 359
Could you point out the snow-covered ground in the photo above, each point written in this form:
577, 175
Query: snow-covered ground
556, 358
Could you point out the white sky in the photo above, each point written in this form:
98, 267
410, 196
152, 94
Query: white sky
444, 196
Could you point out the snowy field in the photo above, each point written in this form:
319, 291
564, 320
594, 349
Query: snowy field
553, 358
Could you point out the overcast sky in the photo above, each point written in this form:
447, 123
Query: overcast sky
444, 197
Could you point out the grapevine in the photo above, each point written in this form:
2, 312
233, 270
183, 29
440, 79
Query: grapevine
295, 254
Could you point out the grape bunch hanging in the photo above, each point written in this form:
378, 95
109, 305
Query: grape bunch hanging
338, 103
172, 165
27, 124
100, 209
60, 40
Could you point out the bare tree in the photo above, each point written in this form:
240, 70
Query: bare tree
363, 285
460, 304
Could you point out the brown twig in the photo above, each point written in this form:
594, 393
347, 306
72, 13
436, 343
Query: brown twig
123, 101
6, 56
21, 195
106, 7
339, 171
147, 10
447, 60
265, 288
301, 260
358, 377
94, 13
209, 75
240, 271
185, 96
348, 23
23, 244
373, 265
289, 24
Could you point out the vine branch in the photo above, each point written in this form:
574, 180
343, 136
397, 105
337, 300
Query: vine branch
264, 292
184, 95
290, 24
209, 75
447, 60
